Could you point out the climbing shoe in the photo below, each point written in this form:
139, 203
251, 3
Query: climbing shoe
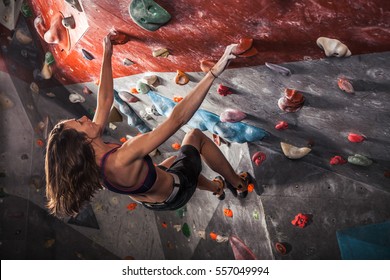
248, 179
220, 193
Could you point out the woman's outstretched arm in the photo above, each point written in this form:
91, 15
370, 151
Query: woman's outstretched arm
106, 88
143, 144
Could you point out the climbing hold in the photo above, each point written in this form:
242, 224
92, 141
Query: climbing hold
256, 215
359, 160
181, 78
164, 225
49, 243
26, 10
293, 152
213, 235
87, 91
148, 15
240, 250
176, 146
69, 22
280, 248
46, 71
49, 58
224, 90
75, 4
177, 98
123, 139
244, 45
345, 85
50, 94
186, 230
76, 98
40, 143
228, 212
5, 102
279, 69
151, 80
56, 34
181, 212
134, 90
333, 47
300, 220
34, 88
206, 65
281, 125
202, 234
337, 160
161, 53
142, 87
119, 38
356, 138
87, 55
251, 187
132, 206
114, 115
22, 37
245, 48
127, 62
258, 158
128, 97
232, 115
292, 100
221, 238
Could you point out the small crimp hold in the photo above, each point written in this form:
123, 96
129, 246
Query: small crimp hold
232, 115
279, 69
224, 90
281, 125
337, 160
300, 220
258, 158
359, 160
356, 138
293, 152
161, 53
345, 85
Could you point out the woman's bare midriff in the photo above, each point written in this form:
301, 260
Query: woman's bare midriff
160, 191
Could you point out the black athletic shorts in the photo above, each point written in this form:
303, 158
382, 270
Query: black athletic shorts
187, 166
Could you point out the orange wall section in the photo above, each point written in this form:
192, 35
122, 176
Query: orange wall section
283, 31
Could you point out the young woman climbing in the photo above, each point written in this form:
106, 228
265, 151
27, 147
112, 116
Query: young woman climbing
78, 161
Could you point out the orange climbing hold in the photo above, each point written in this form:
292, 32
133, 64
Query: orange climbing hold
228, 212
356, 138
213, 235
176, 146
206, 65
251, 187
177, 98
181, 78
132, 206
245, 48
123, 140
134, 90
164, 225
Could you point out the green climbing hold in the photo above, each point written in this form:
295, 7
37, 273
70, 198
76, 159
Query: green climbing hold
148, 15
26, 10
181, 212
359, 160
256, 215
49, 58
142, 87
186, 230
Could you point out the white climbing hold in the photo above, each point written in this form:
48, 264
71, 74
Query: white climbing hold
76, 98
293, 152
333, 47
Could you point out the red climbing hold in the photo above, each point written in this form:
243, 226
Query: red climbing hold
258, 158
336, 160
280, 248
132, 206
300, 220
224, 90
356, 138
281, 125
240, 250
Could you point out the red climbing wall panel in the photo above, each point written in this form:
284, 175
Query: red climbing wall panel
282, 31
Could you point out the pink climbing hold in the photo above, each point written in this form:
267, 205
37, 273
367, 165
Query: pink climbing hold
224, 90
232, 115
345, 85
337, 160
281, 125
258, 158
240, 250
356, 138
